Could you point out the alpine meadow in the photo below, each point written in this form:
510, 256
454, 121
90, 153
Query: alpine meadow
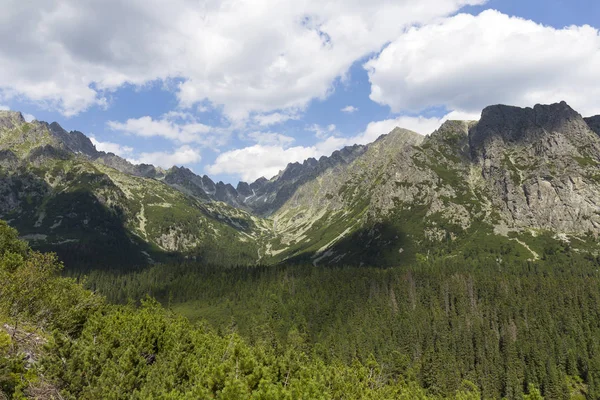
416, 213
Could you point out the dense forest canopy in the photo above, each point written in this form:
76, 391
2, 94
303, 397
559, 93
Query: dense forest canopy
447, 327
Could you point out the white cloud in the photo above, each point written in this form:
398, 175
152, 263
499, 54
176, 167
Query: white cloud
468, 62
246, 55
349, 109
28, 117
322, 132
275, 118
109, 147
250, 163
269, 138
4, 108
166, 127
181, 156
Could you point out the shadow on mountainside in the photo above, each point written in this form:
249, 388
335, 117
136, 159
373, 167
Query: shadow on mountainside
85, 233
94, 235
382, 245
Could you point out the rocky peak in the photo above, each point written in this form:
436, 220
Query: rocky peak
78, 143
404, 136
452, 138
347, 154
594, 123
452, 128
226, 193
74, 141
515, 125
208, 185
397, 139
11, 119
310, 162
292, 171
185, 180
259, 184
244, 189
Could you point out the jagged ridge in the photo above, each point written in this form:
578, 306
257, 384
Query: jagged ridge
516, 171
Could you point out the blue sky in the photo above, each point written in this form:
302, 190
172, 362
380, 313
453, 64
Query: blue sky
237, 89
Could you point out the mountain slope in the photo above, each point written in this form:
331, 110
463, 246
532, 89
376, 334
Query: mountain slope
515, 174
65, 196
515, 181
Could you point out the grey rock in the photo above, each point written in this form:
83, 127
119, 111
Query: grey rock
41, 155
539, 165
186, 181
10, 119
594, 123
262, 197
74, 141
8, 160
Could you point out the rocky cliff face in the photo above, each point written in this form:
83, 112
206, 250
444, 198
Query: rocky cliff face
77, 143
594, 123
541, 165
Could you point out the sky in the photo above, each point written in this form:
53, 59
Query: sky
236, 89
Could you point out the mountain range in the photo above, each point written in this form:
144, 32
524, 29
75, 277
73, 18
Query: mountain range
520, 177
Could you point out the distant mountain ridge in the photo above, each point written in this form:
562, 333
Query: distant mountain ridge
516, 175
262, 196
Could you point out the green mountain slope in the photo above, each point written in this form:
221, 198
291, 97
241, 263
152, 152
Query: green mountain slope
520, 178
92, 213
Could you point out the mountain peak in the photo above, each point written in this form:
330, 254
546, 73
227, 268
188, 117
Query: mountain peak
11, 119
515, 124
399, 136
74, 141
452, 128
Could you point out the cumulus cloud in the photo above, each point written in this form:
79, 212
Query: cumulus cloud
109, 147
275, 118
321, 132
4, 108
349, 109
28, 117
269, 138
468, 62
184, 130
255, 161
180, 156
244, 55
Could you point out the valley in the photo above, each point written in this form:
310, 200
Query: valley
462, 264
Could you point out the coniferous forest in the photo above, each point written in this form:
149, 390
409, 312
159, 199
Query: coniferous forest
466, 327
300, 200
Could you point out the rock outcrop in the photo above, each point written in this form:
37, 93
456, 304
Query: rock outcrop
594, 123
540, 165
